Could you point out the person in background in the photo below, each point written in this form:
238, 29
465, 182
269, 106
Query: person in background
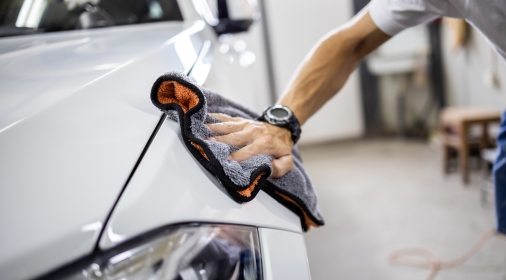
328, 65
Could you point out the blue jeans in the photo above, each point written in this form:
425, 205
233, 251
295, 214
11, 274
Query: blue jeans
500, 178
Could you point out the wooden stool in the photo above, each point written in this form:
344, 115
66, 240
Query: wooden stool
454, 130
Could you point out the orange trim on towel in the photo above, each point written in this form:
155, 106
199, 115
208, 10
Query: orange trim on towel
174, 92
307, 220
247, 192
198, 147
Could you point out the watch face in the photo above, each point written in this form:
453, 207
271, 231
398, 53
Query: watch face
279, 113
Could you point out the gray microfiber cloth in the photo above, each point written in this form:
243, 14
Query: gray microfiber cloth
189, 104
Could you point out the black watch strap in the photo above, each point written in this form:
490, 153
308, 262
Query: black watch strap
292, 125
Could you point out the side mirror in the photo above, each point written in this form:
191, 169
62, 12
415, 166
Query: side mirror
228, 16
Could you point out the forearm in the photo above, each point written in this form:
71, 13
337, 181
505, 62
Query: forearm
327, 67
321, 75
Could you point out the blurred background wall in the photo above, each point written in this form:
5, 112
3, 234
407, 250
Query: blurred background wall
295, 26
465, 71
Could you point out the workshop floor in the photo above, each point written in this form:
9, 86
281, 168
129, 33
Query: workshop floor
380, 195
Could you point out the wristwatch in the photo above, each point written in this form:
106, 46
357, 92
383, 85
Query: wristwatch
282, 116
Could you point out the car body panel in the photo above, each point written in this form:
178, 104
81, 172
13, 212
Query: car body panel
171, 187
39, 70
284, 255
72, 131
75, 116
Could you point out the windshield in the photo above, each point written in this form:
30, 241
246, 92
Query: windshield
19, 17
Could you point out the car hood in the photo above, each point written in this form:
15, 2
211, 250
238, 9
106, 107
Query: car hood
38, 71
75, 115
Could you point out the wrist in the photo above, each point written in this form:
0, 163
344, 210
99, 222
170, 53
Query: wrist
282, 117
297, 106
284, 134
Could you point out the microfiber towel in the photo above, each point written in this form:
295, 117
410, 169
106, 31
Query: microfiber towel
189, 104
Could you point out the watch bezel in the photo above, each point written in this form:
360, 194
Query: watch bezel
277, 120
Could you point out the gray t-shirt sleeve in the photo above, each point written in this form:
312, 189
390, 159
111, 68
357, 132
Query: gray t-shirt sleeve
393, 16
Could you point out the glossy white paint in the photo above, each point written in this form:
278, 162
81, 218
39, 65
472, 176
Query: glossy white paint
284, 255
39, 70
75, 116
171, 187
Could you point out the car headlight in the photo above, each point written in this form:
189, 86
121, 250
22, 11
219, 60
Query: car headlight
189, 252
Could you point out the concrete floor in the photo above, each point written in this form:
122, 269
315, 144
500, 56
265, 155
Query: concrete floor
380, 195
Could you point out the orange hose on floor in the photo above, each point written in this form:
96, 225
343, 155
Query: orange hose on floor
424, 258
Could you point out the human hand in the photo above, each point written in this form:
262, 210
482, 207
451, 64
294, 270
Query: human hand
255, 138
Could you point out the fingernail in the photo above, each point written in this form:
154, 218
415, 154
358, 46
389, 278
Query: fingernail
211, 139
229, 157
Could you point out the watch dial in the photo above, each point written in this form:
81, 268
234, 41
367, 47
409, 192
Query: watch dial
279, 113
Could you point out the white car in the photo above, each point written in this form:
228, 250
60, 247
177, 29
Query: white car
95, 183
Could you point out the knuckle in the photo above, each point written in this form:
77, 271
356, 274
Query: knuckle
255, 128
243, 124
267, 140
260, 142
251, 150
236, 138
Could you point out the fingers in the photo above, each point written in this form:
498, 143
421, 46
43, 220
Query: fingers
281, 166
226, 127
244, 153
228, 124
235, 139
255, 138
257, 147
223, 117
